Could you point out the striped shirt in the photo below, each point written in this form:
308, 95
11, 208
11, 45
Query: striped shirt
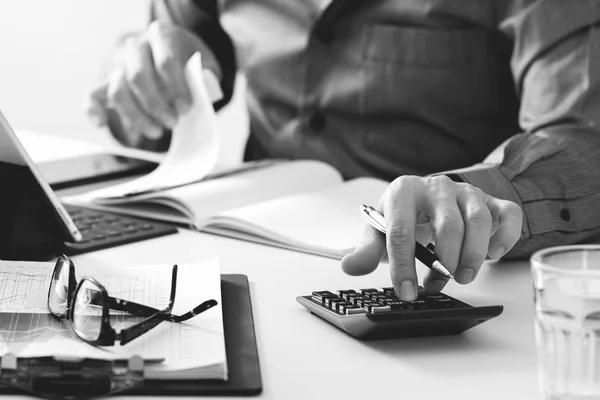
391, 87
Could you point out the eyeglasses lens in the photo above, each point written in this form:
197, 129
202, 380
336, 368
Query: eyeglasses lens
87, 311
59, 289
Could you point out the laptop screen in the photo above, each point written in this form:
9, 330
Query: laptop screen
21, 182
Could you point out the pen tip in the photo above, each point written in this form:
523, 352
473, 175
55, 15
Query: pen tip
450, 276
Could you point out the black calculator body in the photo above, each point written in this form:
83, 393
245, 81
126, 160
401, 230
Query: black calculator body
371, 314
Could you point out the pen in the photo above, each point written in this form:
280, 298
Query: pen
377, 221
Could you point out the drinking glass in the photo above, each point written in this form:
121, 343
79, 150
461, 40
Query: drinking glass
566, 283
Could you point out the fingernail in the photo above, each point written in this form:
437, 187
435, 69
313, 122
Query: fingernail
153, 132
464, 275
97, 120
169, 120
408, 292
127, 124
497, 252
436, 285
181, 106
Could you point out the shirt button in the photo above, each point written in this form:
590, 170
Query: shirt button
317, 122
324, 33
565, 215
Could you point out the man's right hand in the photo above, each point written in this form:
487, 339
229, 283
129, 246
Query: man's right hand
144, 86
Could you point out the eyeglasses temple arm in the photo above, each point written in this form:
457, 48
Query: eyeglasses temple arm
128, 334
191, 314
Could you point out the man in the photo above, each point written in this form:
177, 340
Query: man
400, 88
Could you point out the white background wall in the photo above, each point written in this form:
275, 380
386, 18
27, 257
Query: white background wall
50, 54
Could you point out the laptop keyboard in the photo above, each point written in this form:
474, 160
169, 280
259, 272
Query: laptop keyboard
101, 230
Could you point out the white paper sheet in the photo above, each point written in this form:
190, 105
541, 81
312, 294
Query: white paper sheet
194, 148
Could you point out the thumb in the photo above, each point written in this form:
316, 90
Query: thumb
367, 255
96, 104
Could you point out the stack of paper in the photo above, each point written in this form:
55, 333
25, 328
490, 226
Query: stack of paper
194, 349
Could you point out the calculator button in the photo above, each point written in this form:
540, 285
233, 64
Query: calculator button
367, 292
418, 304
339, 305
389, 291
435, 296
334, 303
344, 307
444, 303
320, 296
353, 297
366, 303
328, 302
379, 308
397, 304
344, 293
355, 310
378, 297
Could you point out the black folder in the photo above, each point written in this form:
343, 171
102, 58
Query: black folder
240, 344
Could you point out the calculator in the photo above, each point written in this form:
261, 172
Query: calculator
371, 314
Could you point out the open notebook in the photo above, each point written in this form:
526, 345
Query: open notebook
299, 205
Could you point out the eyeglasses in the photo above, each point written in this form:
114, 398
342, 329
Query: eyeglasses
86, 305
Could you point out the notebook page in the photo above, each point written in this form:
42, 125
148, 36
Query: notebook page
207, 199
327, 222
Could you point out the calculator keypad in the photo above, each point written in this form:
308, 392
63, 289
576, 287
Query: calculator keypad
376, 313
377, 301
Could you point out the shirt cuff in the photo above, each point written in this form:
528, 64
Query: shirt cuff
488, 178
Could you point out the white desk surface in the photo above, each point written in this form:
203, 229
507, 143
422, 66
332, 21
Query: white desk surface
302, 357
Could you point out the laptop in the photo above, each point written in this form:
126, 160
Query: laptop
35, 225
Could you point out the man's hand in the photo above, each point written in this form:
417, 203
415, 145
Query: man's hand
144, 86
466, 224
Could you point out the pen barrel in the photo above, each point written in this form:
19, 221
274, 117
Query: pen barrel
424, 255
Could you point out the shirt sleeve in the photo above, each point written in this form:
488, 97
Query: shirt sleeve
202, 18
551, 169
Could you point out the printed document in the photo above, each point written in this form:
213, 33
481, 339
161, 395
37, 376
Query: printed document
194, 349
